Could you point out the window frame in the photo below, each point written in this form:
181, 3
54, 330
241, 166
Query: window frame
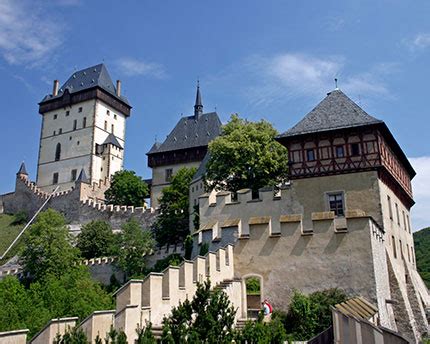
310, 150
336, 208
73, 174
55, 178
168, 174
355, 152
337, 152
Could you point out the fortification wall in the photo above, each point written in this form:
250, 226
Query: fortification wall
80, 205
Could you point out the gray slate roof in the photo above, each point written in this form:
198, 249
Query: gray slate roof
111, 139
82, 177
88, 78
189, 132
336, 111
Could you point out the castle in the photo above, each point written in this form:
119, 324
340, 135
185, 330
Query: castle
342, 220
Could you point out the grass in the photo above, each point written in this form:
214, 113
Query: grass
8, 233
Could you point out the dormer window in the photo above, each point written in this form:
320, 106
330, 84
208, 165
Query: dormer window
80, 109
310, 155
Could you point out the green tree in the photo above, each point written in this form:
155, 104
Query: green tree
47, 247
246, 155
72, 336
127, 188
258, 332
144, 335
422, 253
207, 318
96, 239
172, 225
133, 244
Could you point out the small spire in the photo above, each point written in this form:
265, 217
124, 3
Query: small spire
198, 107
335, 83
82, 177
22, 169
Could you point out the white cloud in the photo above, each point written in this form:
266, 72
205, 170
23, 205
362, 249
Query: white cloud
419, 42
26, 35
421, 190
130, 66
290, 75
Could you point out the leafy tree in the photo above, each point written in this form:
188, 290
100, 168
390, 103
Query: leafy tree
96, 239
253, 286
207, 318
246, 155
172, 260
127, 188
172, 225
116, 337
188, 243
47, 247
20, 218
258, 332
422, 254
309, 315
134, 243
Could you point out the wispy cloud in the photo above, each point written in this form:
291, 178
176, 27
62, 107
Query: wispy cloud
418, 42
297, 74
26, 35
130, 66
421, 189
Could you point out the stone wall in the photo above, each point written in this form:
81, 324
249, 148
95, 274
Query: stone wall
80, 205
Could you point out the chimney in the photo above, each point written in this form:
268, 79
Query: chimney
55, 88
118, 88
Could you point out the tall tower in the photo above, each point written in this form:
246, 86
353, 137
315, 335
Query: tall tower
83, 127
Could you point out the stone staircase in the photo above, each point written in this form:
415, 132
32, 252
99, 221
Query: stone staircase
150, 299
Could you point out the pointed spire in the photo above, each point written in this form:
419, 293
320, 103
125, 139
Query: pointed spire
22, 169
82, 177
198, 107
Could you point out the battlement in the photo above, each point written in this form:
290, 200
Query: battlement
39, 192
151, 299
116, 208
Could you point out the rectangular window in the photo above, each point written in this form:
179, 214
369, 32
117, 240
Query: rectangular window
73, 175
412, 255
107, 112
114, 116
401, 248
55, 116
67, 113
75, 124
105, 125
393, 241
80, 109
310, 154
409, 254
60, 131
335, 201
112, 129
340, 152
390, 209
55, 178
54, 133
404, 220
169, 174
408, 223
397, 214
355, 149
84, 122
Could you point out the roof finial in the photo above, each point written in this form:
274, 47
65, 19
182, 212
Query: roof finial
198, 107
335, 82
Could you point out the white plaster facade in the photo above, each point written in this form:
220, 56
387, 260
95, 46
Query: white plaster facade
79, 128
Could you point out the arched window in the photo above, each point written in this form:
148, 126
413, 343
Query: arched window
253, 285
58, 152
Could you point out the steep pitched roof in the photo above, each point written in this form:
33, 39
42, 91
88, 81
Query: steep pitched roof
95, 76
82, 177
111, 139
22, 169
202, 168
336, 111
190, 132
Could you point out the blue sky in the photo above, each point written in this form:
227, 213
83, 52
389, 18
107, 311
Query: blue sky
262, 59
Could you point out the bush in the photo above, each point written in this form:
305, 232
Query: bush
96, 240
20, 218
172, 260
272, 332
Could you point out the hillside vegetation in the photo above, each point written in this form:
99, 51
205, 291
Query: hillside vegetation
8, 231
422, 253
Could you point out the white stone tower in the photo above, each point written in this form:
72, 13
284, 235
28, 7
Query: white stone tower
83, 128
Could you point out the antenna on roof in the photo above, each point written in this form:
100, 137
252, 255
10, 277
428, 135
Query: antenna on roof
335, 83
155, 138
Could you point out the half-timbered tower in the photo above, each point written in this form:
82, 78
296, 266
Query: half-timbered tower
339, 144
185, 146
83, 128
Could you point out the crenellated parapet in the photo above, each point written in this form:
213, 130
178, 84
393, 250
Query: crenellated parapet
151, 299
